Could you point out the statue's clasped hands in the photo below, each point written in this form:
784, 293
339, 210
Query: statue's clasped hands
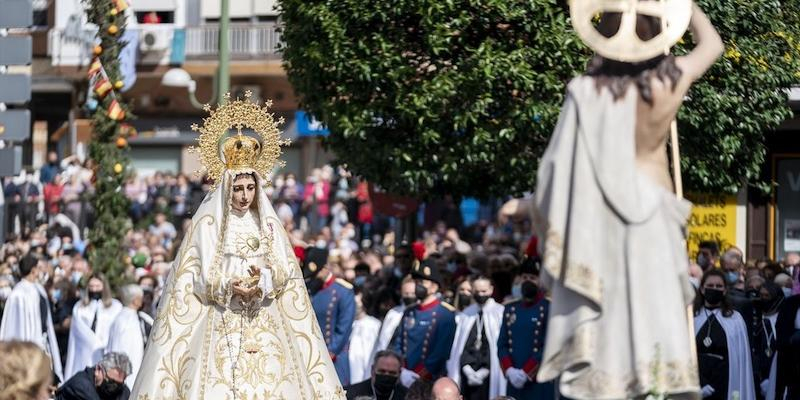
247, 288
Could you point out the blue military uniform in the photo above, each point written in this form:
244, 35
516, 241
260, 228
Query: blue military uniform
427, 331
335, 307
521, 345
425, 337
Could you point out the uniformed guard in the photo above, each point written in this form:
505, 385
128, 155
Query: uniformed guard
427, 330
521, 341
335, 307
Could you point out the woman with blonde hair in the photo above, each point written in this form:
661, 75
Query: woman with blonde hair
25, 372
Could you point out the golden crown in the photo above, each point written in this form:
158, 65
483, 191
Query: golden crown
239, 151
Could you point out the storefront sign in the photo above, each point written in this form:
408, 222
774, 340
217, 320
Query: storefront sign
713, 218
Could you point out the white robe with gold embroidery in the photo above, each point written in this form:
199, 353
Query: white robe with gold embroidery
614, 259
204, 345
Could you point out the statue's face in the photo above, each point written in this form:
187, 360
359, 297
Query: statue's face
244, 191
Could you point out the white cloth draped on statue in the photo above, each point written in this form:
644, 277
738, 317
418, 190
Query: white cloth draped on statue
740, 375
492, 319
126, 336
614, 258
362, 343
22, 320
86, 347
205, 344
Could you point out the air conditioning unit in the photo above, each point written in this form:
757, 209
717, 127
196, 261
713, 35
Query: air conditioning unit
238, 91
154, 40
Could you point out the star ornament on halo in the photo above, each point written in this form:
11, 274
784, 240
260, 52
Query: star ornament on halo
235, 116
625, 45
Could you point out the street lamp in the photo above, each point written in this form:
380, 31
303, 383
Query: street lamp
178, 77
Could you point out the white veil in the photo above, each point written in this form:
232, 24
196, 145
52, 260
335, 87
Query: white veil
176, 361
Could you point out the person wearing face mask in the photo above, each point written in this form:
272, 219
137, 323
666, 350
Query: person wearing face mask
427, 330
27, 315
103, 381
474, 364
334, 305
764, 338
130, 330
362, 340
64, 296
6, 286
392, 319
723, 349
463, 297
91, 323
520, 352
384, 382
707, 255
785, 372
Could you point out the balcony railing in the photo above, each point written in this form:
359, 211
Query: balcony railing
247, 41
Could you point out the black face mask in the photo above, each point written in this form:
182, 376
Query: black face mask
529, 290
753, 294
95, 295
464, 300
714, 296
384, 385
314, 285
420, 292
480, 299
109, 390
409, 301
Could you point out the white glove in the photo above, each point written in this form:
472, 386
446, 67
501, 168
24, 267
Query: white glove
472, 377
706, 391
483, 373
764, 387
407, 377
516, 377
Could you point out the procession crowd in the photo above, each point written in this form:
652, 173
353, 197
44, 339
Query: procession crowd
463, 302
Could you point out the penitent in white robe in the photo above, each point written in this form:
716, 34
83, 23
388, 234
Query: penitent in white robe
492, 320
362, 344
127, 336
388, 327
86, 347
614, 258
740, 369
22, 321
206, 344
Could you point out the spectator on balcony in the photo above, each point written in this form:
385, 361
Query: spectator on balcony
51, 169
53, 191
151, 17
71, 197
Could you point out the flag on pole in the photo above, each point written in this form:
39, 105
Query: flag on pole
95, 68
115, 111
102, 87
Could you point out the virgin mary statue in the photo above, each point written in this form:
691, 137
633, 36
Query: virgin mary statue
235, 321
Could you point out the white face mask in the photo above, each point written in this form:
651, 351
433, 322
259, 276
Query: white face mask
787, 292
5, 292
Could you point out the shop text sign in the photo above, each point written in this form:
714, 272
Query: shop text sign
713, 218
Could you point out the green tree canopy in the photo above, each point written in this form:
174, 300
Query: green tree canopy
460, 96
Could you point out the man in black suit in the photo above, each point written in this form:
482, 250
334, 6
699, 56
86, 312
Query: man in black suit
385, 381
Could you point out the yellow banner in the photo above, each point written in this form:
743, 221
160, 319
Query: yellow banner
713, 218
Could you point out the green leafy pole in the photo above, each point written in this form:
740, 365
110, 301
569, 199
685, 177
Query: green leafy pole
459, 97
108, 148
